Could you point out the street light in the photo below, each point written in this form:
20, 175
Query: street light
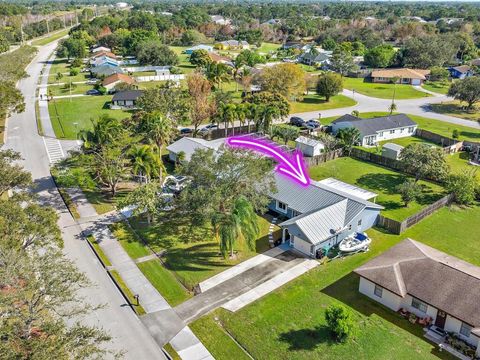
76, 128
136, 297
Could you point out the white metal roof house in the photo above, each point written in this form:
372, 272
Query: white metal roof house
308, 146
188, 145
374, 130
429, 283
322, 214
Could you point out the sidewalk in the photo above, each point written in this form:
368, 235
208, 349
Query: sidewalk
43, 103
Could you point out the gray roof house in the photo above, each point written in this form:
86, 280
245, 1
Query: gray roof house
106, 70
188, 145
322, 214
374, 130
125, 99
314, 58
429, 283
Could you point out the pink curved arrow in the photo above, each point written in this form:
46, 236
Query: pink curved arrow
293, 167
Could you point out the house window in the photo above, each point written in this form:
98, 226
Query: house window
359, 222
281, 206
465, 330
417, 304
380, 133
401, 130
392, 131
378, 291
410, 129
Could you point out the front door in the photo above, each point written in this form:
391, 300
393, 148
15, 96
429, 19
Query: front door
441, 318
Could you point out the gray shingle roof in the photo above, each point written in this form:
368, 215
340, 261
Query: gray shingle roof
430, 275
127, 95
106, 70
372, 125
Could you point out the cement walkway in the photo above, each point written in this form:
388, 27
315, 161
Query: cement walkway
84, 208
43, 102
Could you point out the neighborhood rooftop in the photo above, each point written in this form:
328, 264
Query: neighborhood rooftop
372, 125
127, 95
188, 145
430, 275
403, 73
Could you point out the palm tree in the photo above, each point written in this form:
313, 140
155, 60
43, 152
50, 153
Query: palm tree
241, 114
227, 114
237, 67
217, 73
104, 130
392, 107
246, 80
241, 223
349, 137
270, 112
159, 129
145, 163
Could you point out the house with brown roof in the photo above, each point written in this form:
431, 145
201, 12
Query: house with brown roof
220, 59
113, 80
417, 278
403, 76
104, 53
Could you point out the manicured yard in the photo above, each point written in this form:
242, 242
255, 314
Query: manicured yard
379, 180
129, 240
127, 292
458, 163
382, 91
405, 141
63, 67
436, 126
216, 340
164, 281
440, 87
456, 108
64, 113
192, 252
313, 102
49, 39
268, 47
62, 90
184, 64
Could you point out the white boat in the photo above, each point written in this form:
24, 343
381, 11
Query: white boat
357, 241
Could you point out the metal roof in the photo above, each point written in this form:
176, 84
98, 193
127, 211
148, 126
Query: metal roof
373, 125
188, 145
392, 146
335, 184
308, 141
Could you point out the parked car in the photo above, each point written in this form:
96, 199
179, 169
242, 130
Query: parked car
312, 124
208, 128
186, 131
296, 121
93, 92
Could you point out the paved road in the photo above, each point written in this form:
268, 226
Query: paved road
118, 319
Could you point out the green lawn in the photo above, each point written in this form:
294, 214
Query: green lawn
62, 90
379, 180
193, 253
382, 91
127, 292
164, 281
313, 102
216, 340
405, 141
268, 47
49, 39
456, 108
440, 87
436, 126
62, 66
133, 245
64, 113
184, 64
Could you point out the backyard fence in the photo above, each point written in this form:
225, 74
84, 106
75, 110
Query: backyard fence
376, 158
322, 158
398, 227
449, 146
171, 77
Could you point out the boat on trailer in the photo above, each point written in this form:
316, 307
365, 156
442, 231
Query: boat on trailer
356, 242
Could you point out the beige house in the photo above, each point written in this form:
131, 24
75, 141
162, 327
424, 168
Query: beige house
419, 279
403, 76
113, 80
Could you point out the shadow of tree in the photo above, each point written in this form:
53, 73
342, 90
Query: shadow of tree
306, 339
385, 183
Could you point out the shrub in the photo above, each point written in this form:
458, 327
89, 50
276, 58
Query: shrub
409, 191
340, 322
462, 186
74, 71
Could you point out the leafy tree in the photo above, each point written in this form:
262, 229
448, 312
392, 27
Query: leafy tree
192, 37
467, 50
138, 37
202, 107
4, 44
286, 79
200, 58
225, 191
58, 77
252, 36
145, 162
144, 199
409, 191
72, 48
74, 71
455, 134
250, 58
428, 51
462, 186
285, 132
467, 90
340, 322
358, 49
329, 85
380, 56
13, 175
329, 141
342, 62
12, 99
217, 73
424, 162
329, 44
265, 108
349, 137
105, 130
438, 73
153, 52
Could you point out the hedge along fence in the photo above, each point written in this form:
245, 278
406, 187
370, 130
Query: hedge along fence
398, 227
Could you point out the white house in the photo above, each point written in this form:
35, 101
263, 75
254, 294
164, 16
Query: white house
308, 146
429, 283
374, 130
126, 99
322, 214
188, 145
220, 20
101, 48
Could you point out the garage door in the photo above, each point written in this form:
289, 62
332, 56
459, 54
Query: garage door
415, 81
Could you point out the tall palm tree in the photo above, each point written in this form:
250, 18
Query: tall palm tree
241, 114
270, 112
227, 114
217, 73
105, 130
158, 128
240, 224
237, 67
145, 162
392, 107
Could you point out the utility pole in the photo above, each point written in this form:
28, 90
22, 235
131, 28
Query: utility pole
48, 27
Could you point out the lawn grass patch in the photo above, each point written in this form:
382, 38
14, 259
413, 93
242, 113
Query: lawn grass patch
380, 180
83, 111
164, 281
130, 242
192, 253
313, 102
127, 292
48, 39
382, 91
98, 250
457, 109
268, 47
439, 87
63, 90
216, 340
171, 351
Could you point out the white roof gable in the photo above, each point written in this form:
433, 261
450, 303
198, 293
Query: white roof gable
349, 189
